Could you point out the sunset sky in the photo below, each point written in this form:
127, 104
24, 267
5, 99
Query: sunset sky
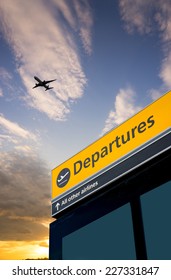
110, 58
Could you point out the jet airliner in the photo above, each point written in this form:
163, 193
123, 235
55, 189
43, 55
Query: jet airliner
43, 83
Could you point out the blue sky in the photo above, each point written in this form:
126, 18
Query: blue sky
110, 59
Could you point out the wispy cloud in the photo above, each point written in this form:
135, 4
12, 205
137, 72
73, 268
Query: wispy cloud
155, 93
6, 79
85, 23
15, 129
146, 17
137, 15
163, 18
5, 138
78, 15
13, 134
124, 107
1, 92
5, 75
42, 35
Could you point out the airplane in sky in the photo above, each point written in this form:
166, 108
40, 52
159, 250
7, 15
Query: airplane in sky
43, 83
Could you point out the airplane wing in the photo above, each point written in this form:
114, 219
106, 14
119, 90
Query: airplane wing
48, 88
37, 85
37, 79
46, 82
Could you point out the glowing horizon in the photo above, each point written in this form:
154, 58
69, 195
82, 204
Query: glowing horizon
21, 250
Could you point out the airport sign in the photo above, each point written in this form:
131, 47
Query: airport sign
84, 173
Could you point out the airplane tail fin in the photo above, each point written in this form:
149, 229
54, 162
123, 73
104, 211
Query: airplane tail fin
48, 88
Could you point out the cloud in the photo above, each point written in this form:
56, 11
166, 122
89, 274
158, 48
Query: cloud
78, 15
19, 230
24, 197
42, 36
13, 135
5, 75
15, 129
137, 15
147, 17
85, 23
124, 108
163, 17
1, 92
6, 79
6, 139
10, 88
155, 94
165, 73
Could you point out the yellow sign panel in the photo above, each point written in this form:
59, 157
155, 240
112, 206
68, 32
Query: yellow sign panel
122, 140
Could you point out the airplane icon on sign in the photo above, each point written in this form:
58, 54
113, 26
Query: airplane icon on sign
62, 177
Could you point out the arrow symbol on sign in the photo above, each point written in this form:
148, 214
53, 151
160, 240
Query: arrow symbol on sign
57, 205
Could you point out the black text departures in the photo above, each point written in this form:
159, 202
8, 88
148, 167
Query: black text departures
117, 142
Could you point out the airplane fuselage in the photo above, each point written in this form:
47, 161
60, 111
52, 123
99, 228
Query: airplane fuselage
41, 83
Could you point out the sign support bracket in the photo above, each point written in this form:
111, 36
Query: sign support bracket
138, 227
